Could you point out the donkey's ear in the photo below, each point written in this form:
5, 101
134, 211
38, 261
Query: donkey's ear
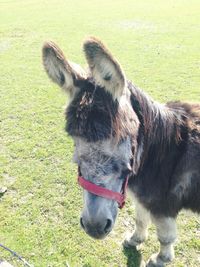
105, 70
63, 72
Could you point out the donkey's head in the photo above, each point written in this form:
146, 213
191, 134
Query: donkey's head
102, 123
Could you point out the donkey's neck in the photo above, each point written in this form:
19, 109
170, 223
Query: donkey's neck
160, 127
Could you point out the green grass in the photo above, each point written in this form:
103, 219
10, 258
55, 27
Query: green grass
158, 45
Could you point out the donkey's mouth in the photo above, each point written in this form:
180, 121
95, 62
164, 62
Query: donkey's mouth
97, 231
96, 235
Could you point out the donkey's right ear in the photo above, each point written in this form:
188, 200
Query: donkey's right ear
60, 70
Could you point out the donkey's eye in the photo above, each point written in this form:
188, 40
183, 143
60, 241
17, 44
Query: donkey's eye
115, 167
62, 78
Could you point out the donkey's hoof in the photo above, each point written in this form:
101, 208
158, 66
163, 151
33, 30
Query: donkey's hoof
154, 261
158, 260
150, 263
133, 241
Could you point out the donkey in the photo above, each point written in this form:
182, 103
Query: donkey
122, 136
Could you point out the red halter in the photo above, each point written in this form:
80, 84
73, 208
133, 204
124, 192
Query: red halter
103, 192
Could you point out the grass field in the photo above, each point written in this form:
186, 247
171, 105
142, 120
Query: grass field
158, 45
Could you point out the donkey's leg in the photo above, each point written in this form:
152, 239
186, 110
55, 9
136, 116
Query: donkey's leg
166, 231
141, 226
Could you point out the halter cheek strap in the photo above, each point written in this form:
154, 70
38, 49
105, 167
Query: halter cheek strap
103, 192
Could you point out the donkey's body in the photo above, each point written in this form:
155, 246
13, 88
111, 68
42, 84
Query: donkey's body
168, 178
119, 131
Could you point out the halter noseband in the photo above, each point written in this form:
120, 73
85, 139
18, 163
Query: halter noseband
103, 192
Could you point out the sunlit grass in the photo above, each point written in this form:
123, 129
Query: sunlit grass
158, 44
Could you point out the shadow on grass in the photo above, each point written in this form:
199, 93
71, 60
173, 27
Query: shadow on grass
3, 190
134, 257
87, 265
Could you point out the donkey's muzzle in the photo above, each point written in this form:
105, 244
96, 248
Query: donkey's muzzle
97, 228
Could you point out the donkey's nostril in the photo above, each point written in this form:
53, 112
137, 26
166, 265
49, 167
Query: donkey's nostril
108, 226
81, 222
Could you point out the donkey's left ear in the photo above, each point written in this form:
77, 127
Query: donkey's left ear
63, 72
105, 70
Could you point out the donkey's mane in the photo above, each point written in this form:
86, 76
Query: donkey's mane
160, 126
94, 115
